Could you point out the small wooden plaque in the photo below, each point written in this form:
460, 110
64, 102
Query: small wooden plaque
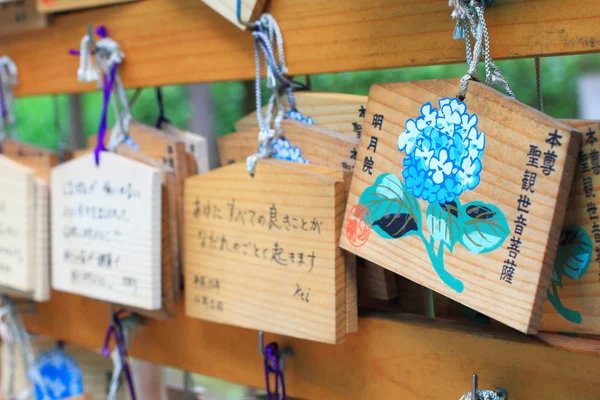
194, 144
20, 16
251, 10
17, 225
262, 252
573, 296
39, 159
106, 230
343, 113
427, 204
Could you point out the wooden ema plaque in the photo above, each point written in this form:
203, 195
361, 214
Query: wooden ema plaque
17, 226
465, 198
194, 144
20, 16
107, 229
262, 252
169, 151
40, 161
37, 158
343, 113
573, 296
250, 10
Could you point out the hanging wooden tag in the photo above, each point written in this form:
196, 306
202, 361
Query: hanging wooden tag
375, 282
20, 16
194, 144
39, 159
343, 113
106, 230
17, 226
168, 150
262, 252
427, 203
305, 144
250, 10
573, 303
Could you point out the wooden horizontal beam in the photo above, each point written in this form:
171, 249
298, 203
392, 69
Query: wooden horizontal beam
184, 41
412, 358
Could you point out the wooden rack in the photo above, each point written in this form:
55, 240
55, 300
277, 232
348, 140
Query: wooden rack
407, 357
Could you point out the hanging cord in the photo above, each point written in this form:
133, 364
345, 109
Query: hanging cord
105, 72
538, 84
272, 367
8, 80
119, 328
471, 22
14, 332
266, 31
161, 109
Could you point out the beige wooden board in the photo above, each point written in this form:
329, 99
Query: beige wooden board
50, 6
239, 232
39, 159
573, 296
106, 230
17, 225
194, 144
169, 151
343, 113
376, 282
170, 277
321, 147
318, 145
500, 238
250, 10
41, 290
20, 16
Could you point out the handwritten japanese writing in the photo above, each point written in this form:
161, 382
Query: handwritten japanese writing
275, 253
274, 220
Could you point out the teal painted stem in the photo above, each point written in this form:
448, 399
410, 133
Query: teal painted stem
437, 261
568, 314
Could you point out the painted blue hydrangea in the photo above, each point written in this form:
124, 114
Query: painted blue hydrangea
283, 150
297, 116
444, 151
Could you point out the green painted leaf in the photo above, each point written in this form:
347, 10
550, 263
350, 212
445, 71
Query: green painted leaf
443, 222
394, 211
574, 254
484, 227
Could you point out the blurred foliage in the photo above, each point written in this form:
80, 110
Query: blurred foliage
37, 120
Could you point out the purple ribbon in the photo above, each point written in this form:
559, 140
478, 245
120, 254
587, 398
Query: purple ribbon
271, 356
3, 110
116, 329
107, 90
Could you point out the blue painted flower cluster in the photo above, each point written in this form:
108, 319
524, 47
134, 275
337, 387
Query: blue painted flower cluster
283, 150
444, 151
297, 116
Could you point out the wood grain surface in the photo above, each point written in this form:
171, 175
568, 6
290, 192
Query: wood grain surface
438, 356
198, 45
472, 270
278, 232
575, 286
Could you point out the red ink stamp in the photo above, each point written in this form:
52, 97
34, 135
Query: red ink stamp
358, 225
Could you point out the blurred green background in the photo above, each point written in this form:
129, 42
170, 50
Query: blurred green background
38, 121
